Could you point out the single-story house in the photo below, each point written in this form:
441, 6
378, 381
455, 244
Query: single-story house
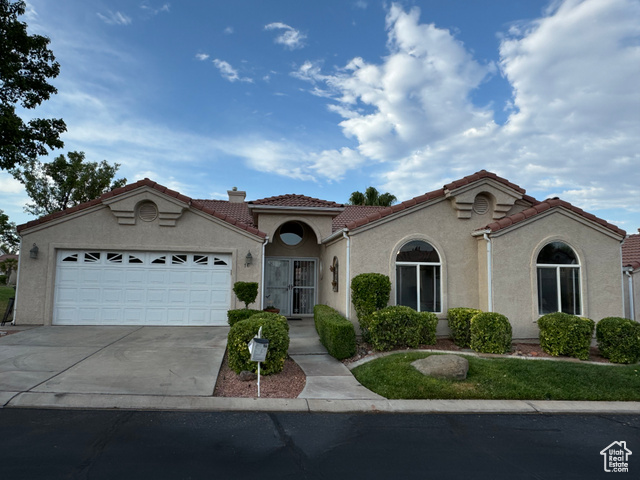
145, 255
631, 279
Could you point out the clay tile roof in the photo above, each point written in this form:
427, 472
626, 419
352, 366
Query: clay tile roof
352, 213
233, 215
546, 205
294, 200
8, 256
631, 252
484, 174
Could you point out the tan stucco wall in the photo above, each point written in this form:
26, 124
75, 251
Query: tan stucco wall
319, 224
308, 247
514, 255
375, 250
326, 295
98, 228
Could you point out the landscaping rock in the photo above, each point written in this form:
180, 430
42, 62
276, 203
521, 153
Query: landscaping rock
443, 366
247, 376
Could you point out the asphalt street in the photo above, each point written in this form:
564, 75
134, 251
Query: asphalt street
57, 444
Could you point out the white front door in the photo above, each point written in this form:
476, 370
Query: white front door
290, 285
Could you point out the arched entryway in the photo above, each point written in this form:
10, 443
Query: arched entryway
291, 269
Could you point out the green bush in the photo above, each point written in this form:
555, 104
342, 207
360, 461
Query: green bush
336, 332
619, 339
490, 332
401, 326
460, 323
272, 316
246, 292
369, 293
564, 334
241, 334
234, 316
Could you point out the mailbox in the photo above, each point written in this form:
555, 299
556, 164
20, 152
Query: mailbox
258, 349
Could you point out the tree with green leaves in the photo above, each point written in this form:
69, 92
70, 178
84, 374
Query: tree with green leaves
371, 196
9, 239
7, 266
26, 65
65, 183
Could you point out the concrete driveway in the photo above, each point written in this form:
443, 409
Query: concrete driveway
161, 361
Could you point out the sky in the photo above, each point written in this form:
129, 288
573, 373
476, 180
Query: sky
324, 98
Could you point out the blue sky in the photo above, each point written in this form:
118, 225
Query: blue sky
327, 97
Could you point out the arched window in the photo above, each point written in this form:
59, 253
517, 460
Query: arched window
418, 277
558, 280
291, 233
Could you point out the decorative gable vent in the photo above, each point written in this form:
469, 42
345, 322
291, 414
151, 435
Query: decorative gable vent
481, 204
148, 212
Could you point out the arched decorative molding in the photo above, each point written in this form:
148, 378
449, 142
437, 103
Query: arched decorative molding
302, 220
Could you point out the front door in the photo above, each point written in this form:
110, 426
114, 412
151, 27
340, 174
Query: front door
290, 285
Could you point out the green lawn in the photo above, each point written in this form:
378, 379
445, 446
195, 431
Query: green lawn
393, 377
5, 294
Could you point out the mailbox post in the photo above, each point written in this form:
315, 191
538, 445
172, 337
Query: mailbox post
258, 347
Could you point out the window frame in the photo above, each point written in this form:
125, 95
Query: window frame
438, 293
558, 267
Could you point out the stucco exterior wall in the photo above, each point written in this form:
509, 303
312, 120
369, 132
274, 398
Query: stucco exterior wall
269, 223
514, 256
308, 247
98, 228
375, 249
326, 295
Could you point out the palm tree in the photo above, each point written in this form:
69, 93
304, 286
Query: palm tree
371, 196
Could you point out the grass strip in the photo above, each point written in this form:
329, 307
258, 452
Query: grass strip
5, 294
394, 377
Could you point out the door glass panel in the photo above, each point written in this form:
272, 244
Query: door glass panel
276, 290
304, 276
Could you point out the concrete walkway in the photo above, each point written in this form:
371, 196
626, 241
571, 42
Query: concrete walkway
327, 378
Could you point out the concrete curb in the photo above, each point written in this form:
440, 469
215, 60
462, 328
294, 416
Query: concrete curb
310, 405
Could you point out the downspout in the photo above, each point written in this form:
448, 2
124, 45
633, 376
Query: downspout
631, 305
489, 275
348, 277
15, 301
264, 245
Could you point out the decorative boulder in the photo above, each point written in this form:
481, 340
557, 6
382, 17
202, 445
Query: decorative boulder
247, 376
443, 366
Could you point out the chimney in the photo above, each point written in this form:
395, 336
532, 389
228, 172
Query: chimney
236, 196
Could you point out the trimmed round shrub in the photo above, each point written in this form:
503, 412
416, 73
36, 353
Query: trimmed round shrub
490, 332
401, 326
272, 316
241, 333
234, 316
336, 332
459, 323
619, 339
246, 292
565, 334
369, 293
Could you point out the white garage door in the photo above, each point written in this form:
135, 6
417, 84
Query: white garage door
136, 288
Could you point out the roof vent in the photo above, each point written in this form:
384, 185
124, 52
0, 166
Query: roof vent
481, 204
148, 212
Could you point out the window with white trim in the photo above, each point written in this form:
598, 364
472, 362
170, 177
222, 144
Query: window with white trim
558, 280
418, 277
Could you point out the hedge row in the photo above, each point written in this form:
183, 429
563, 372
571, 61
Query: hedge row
369, 293
336, 332
234, 316
401, 326
460, 323
565, 334
619, 339
485, 332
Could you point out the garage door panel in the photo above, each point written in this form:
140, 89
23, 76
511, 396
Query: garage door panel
122, 288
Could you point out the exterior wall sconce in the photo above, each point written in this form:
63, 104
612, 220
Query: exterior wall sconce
33, 253
248, 260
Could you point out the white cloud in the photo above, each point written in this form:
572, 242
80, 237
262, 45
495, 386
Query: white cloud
290, 37
164, 8
228, 31
573, 123
202, 56
228, 72
115, 18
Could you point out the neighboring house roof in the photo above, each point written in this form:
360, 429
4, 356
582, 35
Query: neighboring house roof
631, 252
540, 207
151, 184
8, 256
